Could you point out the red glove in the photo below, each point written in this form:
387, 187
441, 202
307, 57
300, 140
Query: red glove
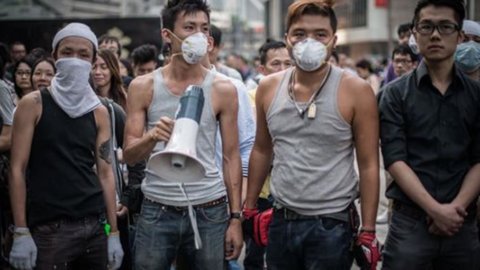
256, 225
368, 250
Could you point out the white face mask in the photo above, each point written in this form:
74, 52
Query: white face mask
70, 87
412, 43
309, 54
194, 47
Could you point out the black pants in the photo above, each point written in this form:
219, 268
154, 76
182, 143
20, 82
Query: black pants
410, 246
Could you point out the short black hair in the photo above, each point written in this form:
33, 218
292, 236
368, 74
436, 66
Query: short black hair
106, 38
174, 7
405, 50
216, 34
270, 44
403, 28
365, 64
457, 5
144, 54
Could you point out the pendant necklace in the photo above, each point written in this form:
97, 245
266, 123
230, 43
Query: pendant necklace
311, 108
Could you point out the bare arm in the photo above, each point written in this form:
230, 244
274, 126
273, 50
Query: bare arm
225, 102
232, 173
5, 138
261, 156
138, 145
103, 155
26, 117
470, 187
366, 133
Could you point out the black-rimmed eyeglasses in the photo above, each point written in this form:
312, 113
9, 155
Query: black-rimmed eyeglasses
442, 28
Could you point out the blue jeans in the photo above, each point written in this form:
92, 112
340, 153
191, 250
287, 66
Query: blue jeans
163, 232
410, 246
313, 244
71, 245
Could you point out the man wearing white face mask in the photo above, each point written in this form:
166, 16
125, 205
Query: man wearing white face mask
59, 135
310, 117
166, 226
467, 55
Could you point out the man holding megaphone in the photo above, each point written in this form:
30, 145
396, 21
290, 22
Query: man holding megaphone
185, 211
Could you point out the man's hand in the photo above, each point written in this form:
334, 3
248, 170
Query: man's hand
162, 130
115, 251
24, 251
233, 239
121, 210
447, 219
367, 250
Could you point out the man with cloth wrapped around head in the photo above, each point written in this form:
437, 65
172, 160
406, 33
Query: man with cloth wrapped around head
59, 135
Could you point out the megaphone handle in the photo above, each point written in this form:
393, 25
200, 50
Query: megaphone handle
193, 219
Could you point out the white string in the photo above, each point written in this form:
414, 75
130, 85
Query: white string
193, 219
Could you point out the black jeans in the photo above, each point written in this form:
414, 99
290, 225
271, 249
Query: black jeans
67, 244
410, 246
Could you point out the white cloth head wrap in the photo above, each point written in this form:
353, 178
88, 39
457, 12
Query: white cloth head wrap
75, 30
471, 28
70, 87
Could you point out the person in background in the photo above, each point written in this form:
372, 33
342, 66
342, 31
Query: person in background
365, 71
467, 55
17, 52
216, 34
274, 57
144, 59
106, 78
111, 43
22, 71
43, 71
404, 33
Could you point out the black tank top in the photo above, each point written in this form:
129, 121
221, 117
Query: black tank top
61, 179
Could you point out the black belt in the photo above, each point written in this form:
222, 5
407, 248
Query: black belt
408, 210
185, 208
288, 214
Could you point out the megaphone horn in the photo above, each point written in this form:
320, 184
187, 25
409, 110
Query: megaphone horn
178, 162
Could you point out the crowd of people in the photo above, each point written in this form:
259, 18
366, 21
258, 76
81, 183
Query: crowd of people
299, 148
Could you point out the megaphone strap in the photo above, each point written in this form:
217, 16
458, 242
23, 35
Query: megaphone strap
193, 219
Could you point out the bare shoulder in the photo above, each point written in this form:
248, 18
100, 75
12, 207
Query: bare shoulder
30, 101
141, 88
268, 85
355, 86
223, 85
101, 115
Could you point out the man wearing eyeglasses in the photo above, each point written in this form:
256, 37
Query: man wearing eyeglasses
404, 60
430, 132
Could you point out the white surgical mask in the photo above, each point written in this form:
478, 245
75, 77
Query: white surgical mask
467, 56
309, 54
70, 87
194, 47
412, 43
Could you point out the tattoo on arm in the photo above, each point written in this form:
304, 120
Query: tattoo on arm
37, 98
105, 152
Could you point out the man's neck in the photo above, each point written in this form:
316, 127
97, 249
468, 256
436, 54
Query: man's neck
311, 78
441, 73
178, 70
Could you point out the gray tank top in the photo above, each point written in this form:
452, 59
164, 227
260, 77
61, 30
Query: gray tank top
212, 187
313, 170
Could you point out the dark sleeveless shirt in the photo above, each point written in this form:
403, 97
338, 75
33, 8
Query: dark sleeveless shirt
61, 179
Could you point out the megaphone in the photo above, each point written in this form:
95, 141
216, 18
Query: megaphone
178, 162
